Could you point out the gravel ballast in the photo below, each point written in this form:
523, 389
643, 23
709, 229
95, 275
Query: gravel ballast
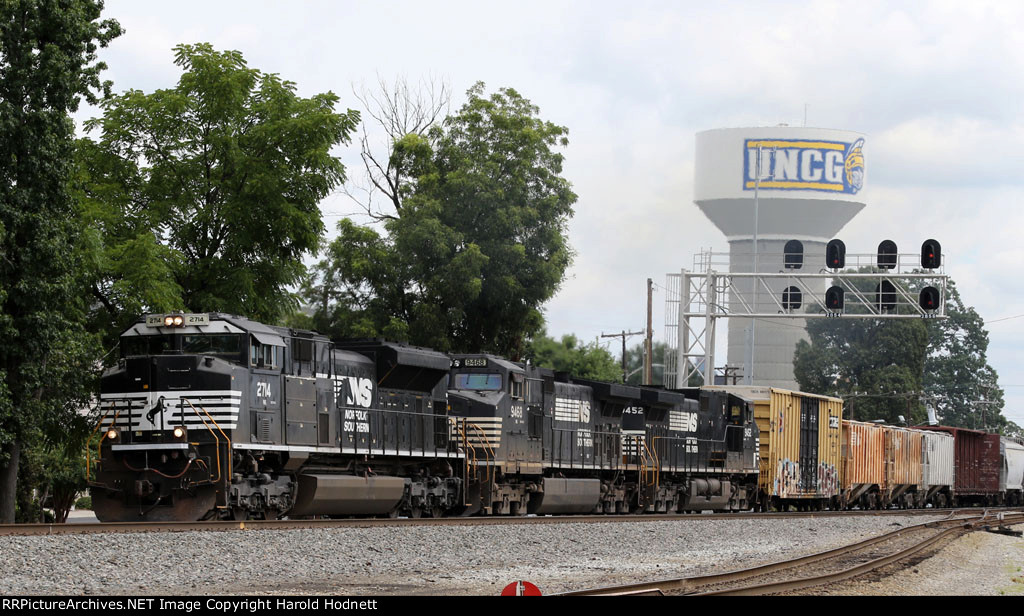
415, 559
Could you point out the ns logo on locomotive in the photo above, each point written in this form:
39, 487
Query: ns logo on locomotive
793, 164
209, 416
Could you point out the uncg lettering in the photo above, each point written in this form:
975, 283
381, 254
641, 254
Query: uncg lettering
801, 164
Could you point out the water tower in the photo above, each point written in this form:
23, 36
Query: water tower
811, 183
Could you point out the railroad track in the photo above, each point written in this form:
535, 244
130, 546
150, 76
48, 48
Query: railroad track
122, 527
817, 569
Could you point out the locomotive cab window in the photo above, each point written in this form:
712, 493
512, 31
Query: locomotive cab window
477, 381
225, 346
146, 345
515, 386
265, 355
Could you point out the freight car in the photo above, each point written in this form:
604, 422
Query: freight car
542, 442
887, 466
799, 446
217, 416
1011, 473
977, 463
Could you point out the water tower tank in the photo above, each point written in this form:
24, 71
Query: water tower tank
811, 183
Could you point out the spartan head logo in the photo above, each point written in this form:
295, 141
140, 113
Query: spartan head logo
855, 165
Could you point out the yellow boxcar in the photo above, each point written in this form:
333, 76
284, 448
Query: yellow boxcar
800, 446
863, 468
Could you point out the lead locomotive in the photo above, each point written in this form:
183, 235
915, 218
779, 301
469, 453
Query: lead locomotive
216, 416
213, 415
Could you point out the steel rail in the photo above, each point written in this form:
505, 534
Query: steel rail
690, 585
229, 525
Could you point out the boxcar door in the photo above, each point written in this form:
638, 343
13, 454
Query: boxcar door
809, 444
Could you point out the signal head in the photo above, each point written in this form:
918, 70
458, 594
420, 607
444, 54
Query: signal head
929, 299
834, 298
835, 254
931, 254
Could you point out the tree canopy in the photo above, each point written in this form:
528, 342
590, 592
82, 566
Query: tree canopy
477, 242
205, 196
963, 386
588, 361
47, 64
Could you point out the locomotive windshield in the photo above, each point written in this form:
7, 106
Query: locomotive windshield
226, 345
478, 382
146, 345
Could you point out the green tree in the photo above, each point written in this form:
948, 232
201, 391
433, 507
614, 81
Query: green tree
963, 386
205, 196
47, 64
879, 364
51, 476
588, 361
476, 244
876, 364
635, 363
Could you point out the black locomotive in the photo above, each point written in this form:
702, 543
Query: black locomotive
213, 415
543, 442
217, 416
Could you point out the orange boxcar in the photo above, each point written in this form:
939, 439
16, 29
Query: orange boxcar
863, 468
903, 472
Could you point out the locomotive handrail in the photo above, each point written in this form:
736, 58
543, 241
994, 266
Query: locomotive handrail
216, 440
377, 419
487, 449
99, 445
460, 429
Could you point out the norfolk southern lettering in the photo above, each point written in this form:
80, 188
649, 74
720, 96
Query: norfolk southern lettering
795, 164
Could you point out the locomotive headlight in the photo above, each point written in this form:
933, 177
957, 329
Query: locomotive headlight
113, 434
178, 320
168, 321
179, 432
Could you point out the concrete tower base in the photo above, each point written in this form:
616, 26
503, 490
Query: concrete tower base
774, 339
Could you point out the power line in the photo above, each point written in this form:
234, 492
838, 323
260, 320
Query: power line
1004, 319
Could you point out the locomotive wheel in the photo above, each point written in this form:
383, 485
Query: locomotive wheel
416, 513
437, 511
239, 514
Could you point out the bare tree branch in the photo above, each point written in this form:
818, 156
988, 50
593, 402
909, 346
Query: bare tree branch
396, 111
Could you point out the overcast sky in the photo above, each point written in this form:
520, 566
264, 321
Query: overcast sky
935, 86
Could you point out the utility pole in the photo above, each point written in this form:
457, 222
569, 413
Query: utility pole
984, 404
648, 348
624, 335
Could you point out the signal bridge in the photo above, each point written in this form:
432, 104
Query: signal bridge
885, 285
